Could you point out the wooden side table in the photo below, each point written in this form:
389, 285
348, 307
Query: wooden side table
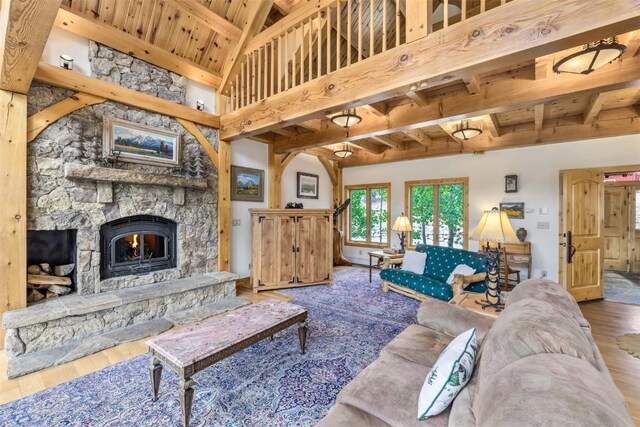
470, 300
380, 256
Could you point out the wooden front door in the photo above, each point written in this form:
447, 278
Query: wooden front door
582, 234
616, 228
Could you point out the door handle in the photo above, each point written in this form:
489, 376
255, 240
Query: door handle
571, 250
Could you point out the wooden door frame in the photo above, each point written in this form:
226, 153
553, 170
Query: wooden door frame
602, 169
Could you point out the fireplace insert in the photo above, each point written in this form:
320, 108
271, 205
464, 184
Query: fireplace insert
137, 245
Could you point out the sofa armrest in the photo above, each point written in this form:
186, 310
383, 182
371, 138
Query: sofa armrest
459, 281
388, 262
452, 319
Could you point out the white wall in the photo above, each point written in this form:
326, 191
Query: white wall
61, 42
538, 185
308, 164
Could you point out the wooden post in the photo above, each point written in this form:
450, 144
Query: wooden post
224, 205
13, 193
275, 179
337, 190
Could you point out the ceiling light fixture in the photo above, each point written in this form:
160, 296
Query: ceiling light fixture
347, 118
464, 131
344, 152
591, 57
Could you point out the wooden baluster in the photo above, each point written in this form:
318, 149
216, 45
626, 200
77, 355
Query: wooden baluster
384, 25
328, 25
237, 90
302, 57
252, 76
349, 24
319, 44
259, 75
463, 11
398, 23
273, 65
445, 22
279, 79
286, 60
339, 32
372, 5
294, 73
310, 67
242, 85
482, 6
359, 29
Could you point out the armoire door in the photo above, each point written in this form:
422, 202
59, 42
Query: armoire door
314, 241
616, 228
275, 257
582, 234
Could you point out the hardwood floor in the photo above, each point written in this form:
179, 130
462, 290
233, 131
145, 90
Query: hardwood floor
608, 321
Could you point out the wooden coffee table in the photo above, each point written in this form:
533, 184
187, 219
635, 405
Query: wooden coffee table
199, 346
471, 300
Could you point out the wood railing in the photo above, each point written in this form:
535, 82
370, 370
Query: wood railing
309, 44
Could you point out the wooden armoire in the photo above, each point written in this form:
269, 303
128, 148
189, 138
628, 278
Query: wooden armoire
291, 247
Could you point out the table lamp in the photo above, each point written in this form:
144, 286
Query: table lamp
401, 225
494, 227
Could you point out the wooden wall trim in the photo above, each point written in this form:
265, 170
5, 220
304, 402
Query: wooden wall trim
41, 120
224, 205
13, 209
204, 142
57, 76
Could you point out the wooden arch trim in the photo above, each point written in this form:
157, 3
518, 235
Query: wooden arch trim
204, 142
329, 167
41, 120
286, 159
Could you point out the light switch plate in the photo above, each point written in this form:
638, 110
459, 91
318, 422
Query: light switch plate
542, 225
530, 210
235, 222
544, 211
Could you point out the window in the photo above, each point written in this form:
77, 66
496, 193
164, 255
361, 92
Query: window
368, 219
438, 210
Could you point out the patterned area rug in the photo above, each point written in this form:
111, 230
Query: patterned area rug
630, 343
622, 287
268, 384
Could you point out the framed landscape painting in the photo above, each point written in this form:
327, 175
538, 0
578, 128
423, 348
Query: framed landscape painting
142, 144
514, 210
247, 184
308, 185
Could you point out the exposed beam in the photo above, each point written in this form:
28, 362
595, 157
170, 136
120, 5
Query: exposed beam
57, 76
538, 116
24, 30
288, 158
385, 140
473, 85
491, 121
380, 108
548, 135
370, 146
42, 119
286, 132
593, 108
419, 136
328, 165
321, 152
257, 15
314, 125
632, 41
204, 142
389, 74
93, 29
417, 96
224, 205
275, 168
209, 18
499, 96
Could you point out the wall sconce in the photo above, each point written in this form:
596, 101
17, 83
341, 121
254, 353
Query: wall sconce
66, 62
200, 105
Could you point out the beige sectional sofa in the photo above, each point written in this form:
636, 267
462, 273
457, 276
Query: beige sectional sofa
538, 366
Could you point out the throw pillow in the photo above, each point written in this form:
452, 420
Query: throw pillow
414, 262
449, 375
463, 269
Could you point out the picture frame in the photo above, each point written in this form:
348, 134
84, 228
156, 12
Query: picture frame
511, 184
247, 184
514, 210
143, 144
308, 185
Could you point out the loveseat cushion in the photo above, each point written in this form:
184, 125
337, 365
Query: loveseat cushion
442, 260
341, 415
530, 327
451, 319
550, 390
418, 344
417, 282
388, 389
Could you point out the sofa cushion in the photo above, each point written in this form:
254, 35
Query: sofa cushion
344, 415
451, 319
388, 389
461, 413
442, 260
463, 269
550, 390
418, 344
414, 262
418, 283
531, 327
550, 292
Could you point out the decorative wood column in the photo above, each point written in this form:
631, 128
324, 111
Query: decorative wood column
224, 205
13, 210
275, 179
337, 191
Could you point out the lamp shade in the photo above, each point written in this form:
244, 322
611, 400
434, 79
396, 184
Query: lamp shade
402, 224
494, 227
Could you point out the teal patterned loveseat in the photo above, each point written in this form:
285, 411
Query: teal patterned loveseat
441, 261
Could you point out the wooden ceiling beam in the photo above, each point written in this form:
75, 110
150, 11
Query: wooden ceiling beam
632, 41
596, 101
24, 30
257, 16
491, 121
385, 140
419, 136
390, 73
71, 80
323, 152
473, 85
93, 29
419, 97
538, 116
499, 96
371, 147
548, 135
209, 18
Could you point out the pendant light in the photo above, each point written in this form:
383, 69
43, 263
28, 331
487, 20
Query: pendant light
344, 152
591, 57
464, 131
347, 118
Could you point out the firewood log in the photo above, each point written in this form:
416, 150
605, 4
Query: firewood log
51, 295
46, 268
60, 290
34, 269
63, 270
34, 295
37, 279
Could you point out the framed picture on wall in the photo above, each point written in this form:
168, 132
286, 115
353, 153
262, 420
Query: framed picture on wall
514, 210
141, 144
247, 185
511, 184
308, 185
